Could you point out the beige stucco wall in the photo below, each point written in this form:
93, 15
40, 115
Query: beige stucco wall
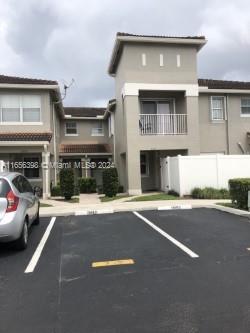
223, 137
130, 67
84, 128
213, 135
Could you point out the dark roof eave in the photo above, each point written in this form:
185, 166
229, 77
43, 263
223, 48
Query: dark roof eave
224, 84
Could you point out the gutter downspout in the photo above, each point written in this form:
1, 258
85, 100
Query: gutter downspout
54, 141
227, 125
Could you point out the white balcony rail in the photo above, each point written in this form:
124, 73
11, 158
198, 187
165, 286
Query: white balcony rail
163, 124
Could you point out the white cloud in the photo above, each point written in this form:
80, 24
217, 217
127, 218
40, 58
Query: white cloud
61, 39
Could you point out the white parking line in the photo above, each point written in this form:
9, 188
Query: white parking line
34, 260
170, 238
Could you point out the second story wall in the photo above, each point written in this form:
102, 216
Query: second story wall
25, 111
224, 135
84, 131
147, 63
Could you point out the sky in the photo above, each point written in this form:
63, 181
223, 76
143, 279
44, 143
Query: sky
65, 39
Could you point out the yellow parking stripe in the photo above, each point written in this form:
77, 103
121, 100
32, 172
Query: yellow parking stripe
113, 263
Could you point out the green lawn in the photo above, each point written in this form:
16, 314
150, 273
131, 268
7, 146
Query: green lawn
107, 199
45, 205
155, 197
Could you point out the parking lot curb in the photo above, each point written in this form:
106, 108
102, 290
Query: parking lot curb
230, 210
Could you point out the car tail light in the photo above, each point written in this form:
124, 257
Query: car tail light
12, 202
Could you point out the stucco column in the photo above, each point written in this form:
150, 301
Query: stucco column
133, 169
192, 105
46, 174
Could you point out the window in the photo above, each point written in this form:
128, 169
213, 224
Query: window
161, 60
217, 108
31, 169
71, 128
144, 165
31, 108
178, 60
144, 59
245, 106
98, 130
20, 108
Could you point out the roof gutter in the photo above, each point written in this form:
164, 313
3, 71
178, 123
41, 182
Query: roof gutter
30, 86
226, 91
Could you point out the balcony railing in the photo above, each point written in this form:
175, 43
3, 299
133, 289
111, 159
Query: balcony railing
163, 124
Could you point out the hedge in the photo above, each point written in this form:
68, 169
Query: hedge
239, 188
67, 183
110, 182
87, 185
56, 191
210, 193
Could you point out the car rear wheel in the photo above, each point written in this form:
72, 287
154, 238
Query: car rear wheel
22, 241
37, 219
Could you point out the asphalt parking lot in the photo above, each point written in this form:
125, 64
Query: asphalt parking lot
181, 271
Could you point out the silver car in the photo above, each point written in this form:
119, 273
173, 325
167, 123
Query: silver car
19, 208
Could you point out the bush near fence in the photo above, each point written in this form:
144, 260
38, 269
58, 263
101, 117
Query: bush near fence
239, 188
210, 193
87, 185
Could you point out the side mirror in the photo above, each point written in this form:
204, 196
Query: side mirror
37, 191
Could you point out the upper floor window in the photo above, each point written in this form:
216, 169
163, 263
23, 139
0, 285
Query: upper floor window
16, 108
217, 108
97, 129
245, 106
71, 128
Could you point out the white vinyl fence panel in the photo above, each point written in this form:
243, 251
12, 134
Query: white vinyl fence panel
187, 172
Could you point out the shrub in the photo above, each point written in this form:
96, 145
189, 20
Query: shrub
210, 193
67, 183
174, 193
120, 189
56, 191
87, 185
239, 188
99, 189
110, 182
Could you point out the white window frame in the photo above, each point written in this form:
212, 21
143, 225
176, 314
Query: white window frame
244, 115
71, 134
147, 164
21, 122
212, 109
98, 131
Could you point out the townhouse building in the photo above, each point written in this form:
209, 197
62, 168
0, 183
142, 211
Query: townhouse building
161, 108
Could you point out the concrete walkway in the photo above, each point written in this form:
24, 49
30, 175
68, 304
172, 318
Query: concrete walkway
89, 199
116, 206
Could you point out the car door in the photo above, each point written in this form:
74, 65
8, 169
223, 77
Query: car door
28, 201
28, 192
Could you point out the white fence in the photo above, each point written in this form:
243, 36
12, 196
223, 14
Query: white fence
183, 173
162, 124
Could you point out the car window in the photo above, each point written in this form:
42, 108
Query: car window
18, 184
4, 188
26, 187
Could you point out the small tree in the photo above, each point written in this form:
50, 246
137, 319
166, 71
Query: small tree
110, 182
67, 183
